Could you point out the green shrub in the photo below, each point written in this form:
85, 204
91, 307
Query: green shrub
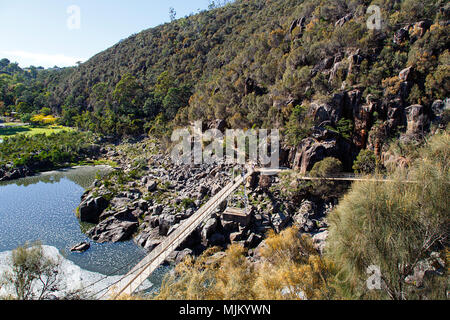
298, 126
45, 151
365, 163
324, 188
326, 167
394, 225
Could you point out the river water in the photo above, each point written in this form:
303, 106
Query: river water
42, 208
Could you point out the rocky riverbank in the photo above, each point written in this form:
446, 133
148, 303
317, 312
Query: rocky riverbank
154, 202
8, 173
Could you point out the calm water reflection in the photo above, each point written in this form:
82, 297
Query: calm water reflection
43, 208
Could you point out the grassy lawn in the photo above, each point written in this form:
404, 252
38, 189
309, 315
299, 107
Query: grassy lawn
21, 129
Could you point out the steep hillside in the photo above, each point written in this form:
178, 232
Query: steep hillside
308, 67
188, 49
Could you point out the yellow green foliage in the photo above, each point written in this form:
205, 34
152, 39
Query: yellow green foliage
43, 119
290, 268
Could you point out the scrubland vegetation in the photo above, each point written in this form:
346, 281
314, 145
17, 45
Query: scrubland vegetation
290, 268
398, 226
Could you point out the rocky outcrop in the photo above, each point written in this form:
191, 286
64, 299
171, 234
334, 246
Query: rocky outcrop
8, 173
325, 144
354, 61
119, 227
300, 24
404, 75
91, 208
344, 20
81, 247
401, 35
324, 113
412, 32
152, 207
348, 105
417, 120
324, 64
438, 108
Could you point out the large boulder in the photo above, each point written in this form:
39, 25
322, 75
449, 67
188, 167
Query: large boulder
113, 230
280, 221
177, 257
210, 227
203, 191
311, 151
81, 247
438, 107
156, 210
151, 186
237, 236
319, 240
166, 222
253, 241
91, 208
151, 244
417, 120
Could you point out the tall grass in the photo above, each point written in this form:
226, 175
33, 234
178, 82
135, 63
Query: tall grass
290, 268
393, 225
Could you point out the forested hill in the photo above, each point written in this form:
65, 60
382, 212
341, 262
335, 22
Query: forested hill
180, 54
261, 63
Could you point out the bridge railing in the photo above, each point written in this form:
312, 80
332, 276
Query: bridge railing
337, 176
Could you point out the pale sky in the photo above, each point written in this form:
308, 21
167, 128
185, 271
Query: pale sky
46, 32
